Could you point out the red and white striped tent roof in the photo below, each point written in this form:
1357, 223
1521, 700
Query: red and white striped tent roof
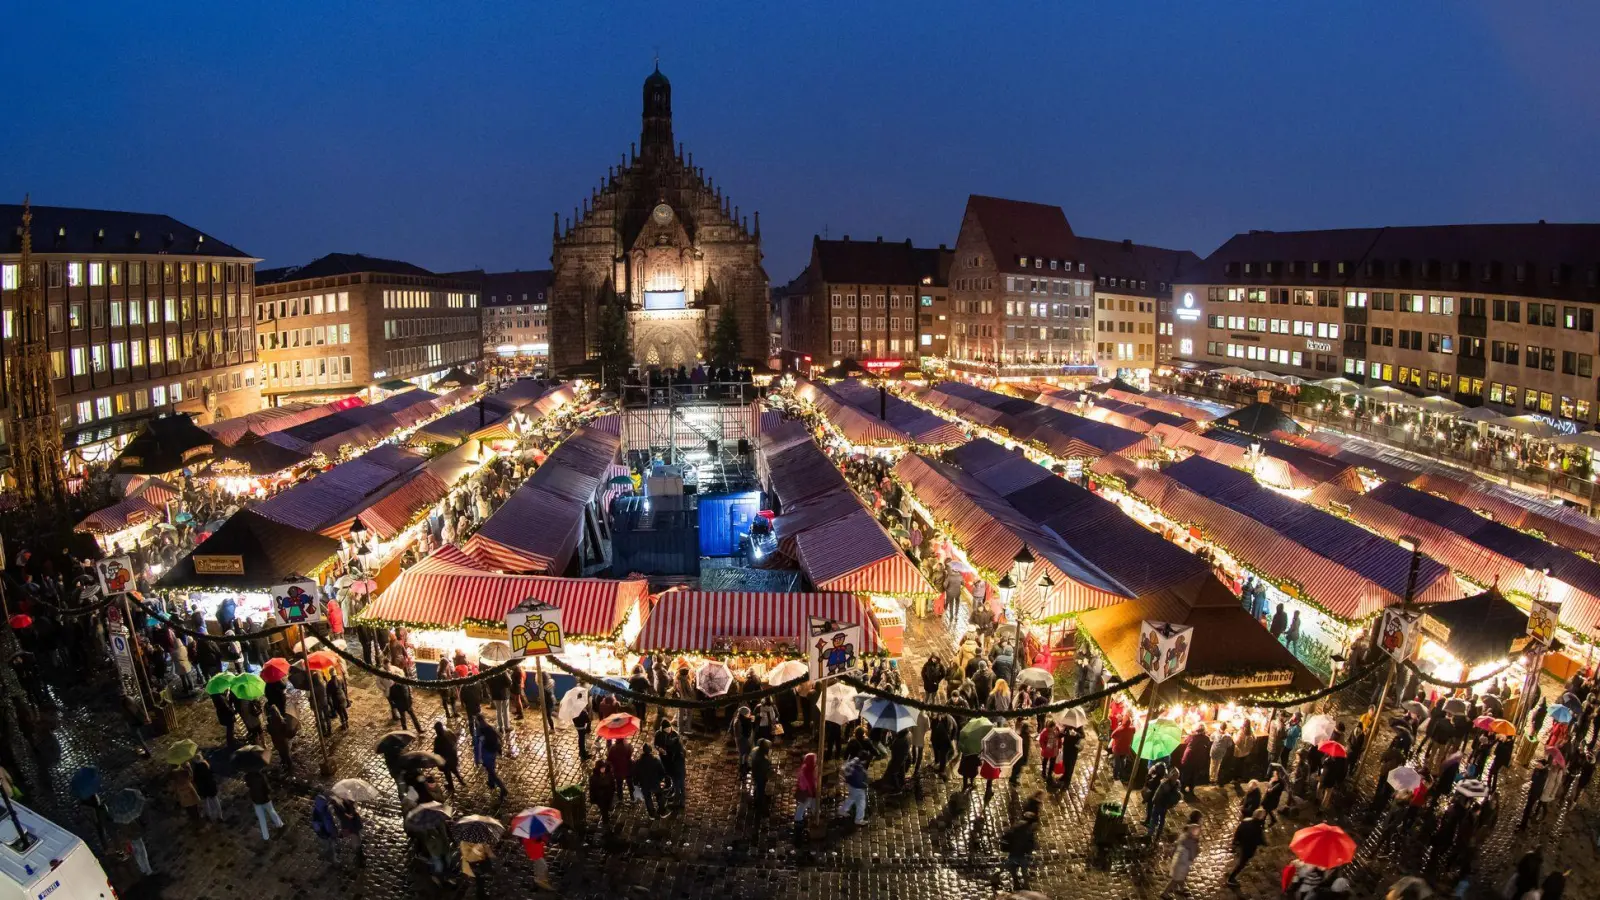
266, 421
130, 512
394, 511
1162, 404
853, 553
693, 621
446, 591
539, 528
1216, 451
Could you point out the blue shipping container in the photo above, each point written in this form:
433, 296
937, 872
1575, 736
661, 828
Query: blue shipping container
725, 520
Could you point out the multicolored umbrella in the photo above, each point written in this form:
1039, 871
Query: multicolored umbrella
535, 822
1324, 846
478, 829
970, 741
181, 752
1002, 747
1158, 739
354, 789
248, 687
221, 683
276, 669
618, 727
881, 712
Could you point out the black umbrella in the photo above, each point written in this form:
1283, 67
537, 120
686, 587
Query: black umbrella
395, 740
421, 759
250, 758
478, 829
427, 816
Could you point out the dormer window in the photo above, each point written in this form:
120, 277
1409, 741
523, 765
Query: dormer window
1038, 263
1052, 265
1249, 268
1024, 262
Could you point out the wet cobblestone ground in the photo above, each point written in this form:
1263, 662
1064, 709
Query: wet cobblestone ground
718, 846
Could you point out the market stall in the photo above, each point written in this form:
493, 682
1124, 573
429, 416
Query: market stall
244, 558
1470, 638
554, 520
263, 422
918, 426
164, 445
717, 624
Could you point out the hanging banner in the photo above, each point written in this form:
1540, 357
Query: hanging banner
1164, 649
1399, 634
534, 629
1543, 617
297, 602
115, 573
833, 648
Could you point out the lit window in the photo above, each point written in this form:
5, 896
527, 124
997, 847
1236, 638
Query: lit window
74, 274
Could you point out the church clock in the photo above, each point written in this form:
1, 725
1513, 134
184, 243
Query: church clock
662, 214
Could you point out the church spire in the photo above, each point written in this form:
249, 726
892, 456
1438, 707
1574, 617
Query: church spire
33, 431
655, 139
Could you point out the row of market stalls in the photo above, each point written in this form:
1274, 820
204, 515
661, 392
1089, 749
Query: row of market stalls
496, 417
868, 416
1061, 434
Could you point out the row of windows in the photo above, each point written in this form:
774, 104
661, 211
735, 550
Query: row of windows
1431, 268
1125, 327
1571, 318
1045, 333
878, 345
504, 311
118, 313
1047, 286
99, 273
118, 355
407, 328
83, 412
1124, 351
310, 336
1298, 327
308, 372
409, 360
413, 299
313, 305
848, 301
974, 284
1129, 283
848, 323
1066, 264
1123, 304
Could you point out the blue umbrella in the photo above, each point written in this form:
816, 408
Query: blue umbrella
596, 691
881, 712
1562, 714
85, 783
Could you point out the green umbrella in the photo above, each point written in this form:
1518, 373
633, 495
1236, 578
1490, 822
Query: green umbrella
972, 735
182, 752
1159, 739
249, 687
219, 684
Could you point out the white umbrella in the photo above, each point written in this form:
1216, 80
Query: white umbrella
1318, 729
1072, 717
1002, 747
1473, 789
714, 678
1404, 779
839, 704
573, 703
1036, 678
354, 789
788, 670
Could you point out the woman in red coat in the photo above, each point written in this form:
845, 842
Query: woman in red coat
1049, 743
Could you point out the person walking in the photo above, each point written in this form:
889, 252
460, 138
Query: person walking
260, 791
499, 685
669, 746
281, 729
205, 785
445, 746
1166, 795
472, 707
1221, 756
1537, 778
486, 749
181, 782
350, 823
603, 790
854, 774
326, 827
620, 755
400, 703
1247, 839
1019, 842
805, 791
647, 775
447, 695
1049, 741
761, 773
223, 705
1183, 857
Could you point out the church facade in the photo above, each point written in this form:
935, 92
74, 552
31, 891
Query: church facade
660, 239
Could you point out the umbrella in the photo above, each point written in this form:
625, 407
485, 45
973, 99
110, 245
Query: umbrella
1404, 779
972, 734
597, 690
219, 684
621, 481
1492, 704
494, 651
1556, 757
85, 783
788, 670
275, 669
1333, 749
248, 687
478, 829
365, 586
1455, 706
1324, 846
1002, 746
1473, 789
881, 712
1318, 729
1502, 727
1483, 723
1415, 709
320, 660
355, 789
20, 620
1562, 714
420, 759
250, 758
1158, 739
182, 752
395, 741
535, 822
618, 726
573, 703
125, 805
1036, 678
714, 678
426, 817
343, 581
1072, 717
839, 704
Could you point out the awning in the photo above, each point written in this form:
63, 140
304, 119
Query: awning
854, 553
266, 421
130, 512
336, 495
540, 528
704, 621
259, 456
395, 510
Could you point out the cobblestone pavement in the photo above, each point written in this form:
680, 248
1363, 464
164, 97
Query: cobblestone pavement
717, 847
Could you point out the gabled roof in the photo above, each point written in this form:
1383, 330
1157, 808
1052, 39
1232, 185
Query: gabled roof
1017, 229
339, 264
877, 262
66, 229
509, 288
266, 552
1138, 262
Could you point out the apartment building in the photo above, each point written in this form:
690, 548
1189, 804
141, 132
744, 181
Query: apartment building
1021, 293
144, 315
516, 314
1502, 315
346, 322
867, 301
1131, 281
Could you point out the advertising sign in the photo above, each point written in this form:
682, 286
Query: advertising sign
1399, 634
1164, 649
218, 564
834, 648
122, 652
297, 602
1542, 620
116, 574
533, 628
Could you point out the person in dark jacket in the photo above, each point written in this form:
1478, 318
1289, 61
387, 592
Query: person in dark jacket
669, 746
472, 706
933, 672
639, 683
223, 704
1247, 839
205, 784
603, 790
261, 796
338, 693
761, 773
647, 775
486, 746
400, 703
278, 695
581, 724
447, 695
1162, 800
499, 685
281, 729
1019, 842
445, 745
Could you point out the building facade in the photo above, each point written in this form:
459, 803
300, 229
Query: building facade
659, 238
346, 322
1021, 294
516, 314
864, 300
1497, 315
143, 315
1130, 282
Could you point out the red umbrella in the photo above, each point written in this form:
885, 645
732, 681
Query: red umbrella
321, 660
1332, 748
618, 726
20, 620
463, 671
1324, 846
276, 669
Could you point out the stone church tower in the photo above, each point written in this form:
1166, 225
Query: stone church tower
661, 238
32, 427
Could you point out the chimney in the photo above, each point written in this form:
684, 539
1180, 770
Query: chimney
883, 402
941, 247
880, 238
1127, 243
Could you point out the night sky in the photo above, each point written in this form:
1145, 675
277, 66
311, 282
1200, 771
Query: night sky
446, 136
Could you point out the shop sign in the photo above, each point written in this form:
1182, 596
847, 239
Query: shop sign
534, 629
115, 573
833, 647
196, 452
1248, 681
761, 646
1164, 649
131, 461
1562, 426
1399, 634
218, 565
484, 632
1542, 620
297, 602
1187, 310
122, 652
1074, 469
1319, 346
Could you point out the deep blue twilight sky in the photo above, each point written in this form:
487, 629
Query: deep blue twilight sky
446, 134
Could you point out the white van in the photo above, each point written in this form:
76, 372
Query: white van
43, 861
